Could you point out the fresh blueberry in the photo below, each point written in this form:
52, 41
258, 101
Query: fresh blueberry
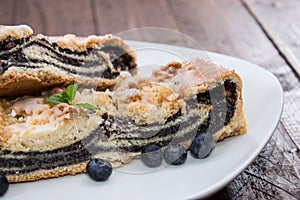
151, 155
202, 145
175, 154
98, 169
3, 184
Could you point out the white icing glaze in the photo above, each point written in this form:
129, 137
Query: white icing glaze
38, 116
31, 106
73, 42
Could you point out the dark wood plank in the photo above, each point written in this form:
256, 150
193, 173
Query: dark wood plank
281, 22
227, 27
7, 10
116, 16
285, 37
290, 116
225, 31
55, 17
223, 26
264, 178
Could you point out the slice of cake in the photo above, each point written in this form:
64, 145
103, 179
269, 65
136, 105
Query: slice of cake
42, 138
34, 63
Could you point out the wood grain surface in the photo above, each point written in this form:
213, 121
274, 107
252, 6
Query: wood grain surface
280, 21
265, 32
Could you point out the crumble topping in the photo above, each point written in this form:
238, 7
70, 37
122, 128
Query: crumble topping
145, 101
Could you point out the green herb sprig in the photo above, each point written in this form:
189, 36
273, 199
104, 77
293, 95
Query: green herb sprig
67, 96
87, 106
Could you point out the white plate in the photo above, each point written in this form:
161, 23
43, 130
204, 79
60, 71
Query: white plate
263, 98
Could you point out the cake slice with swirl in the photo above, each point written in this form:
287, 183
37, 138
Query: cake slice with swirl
34, 63
42, 140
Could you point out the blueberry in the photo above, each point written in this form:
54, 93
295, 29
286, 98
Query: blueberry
175, 154
3, 184
98, 169
202, 145
151, 155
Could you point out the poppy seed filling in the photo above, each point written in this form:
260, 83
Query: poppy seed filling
89, 63
113, 132
69, 99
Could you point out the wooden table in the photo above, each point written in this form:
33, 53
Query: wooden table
265, 32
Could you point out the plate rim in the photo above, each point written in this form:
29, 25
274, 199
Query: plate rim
212, 55
222, 183
211, 190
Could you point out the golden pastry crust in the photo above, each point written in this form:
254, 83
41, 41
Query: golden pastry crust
174, 83
31, 124
31, 81
20, 81
44, 68
70, 169
199, 76
16, 32
73, 42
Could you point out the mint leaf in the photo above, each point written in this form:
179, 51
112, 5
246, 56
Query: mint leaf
54, 99
87, 106
70, 92
66, 96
